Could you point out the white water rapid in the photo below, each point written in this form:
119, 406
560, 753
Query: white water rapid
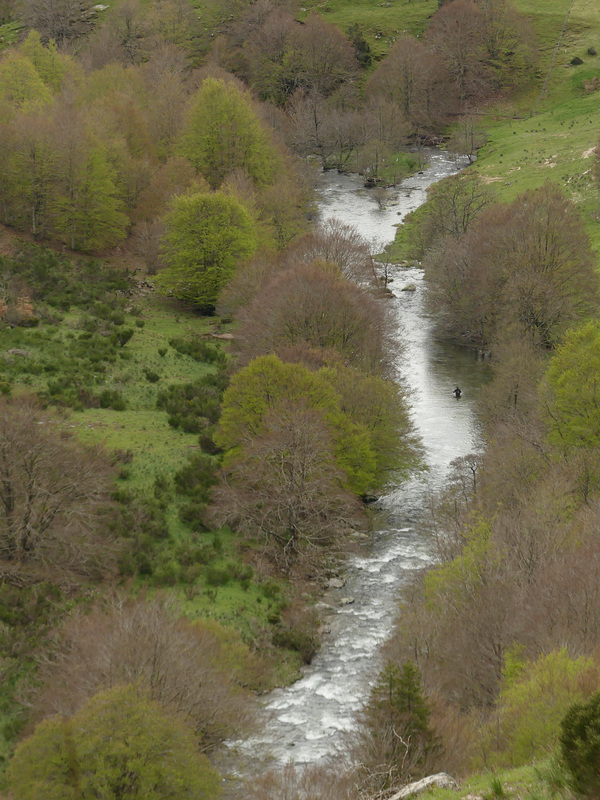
305, 722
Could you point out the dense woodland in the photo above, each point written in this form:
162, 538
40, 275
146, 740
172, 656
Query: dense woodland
198, 397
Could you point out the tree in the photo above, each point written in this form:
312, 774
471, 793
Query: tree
507, 38
49, 64
524, 267
336, 243
89, 212
532, 703
58, 20
120, 746
415, 78
382, 407
285, 57
7, 8
323, 56
286, 490
384, 131
192, 670
223, 133
50, 490
456, 32
453, 206
21, 87
467, 137
395, 737
571, 390
32, 174
259, 389
314, 304
206, 236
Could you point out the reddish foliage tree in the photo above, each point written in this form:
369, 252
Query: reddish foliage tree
315, 305
286, 489
416, 79
526, 266
189, 668
51, 490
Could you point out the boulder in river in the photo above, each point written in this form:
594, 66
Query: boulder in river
410, 287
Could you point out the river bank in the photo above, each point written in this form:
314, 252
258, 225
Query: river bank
307, 721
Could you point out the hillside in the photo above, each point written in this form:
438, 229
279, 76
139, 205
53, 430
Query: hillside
198, 394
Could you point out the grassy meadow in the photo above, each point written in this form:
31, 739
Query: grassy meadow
536, 137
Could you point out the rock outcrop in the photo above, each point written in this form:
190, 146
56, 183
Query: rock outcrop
440, 781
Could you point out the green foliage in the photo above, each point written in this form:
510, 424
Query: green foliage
302, 637
119, 746
91, 214
532, 703
381, 406
497, 787
362, 49
398, 691
61, 283
266, 383
199, 350
570, 391
206, 236
193, 406
580, 745
21, 87
196, 478
48, 62
223, 134
396, 725
452, 583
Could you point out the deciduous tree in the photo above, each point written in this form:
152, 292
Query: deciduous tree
316, 305
191, 669
58, 20
50, 491
119, 746
527, 266
286, 490
571, 390
415, 78
206, 236
222, 133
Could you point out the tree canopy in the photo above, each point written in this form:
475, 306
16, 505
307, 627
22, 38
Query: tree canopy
264, 385
571, 390
222, 133
206, 236
120, 746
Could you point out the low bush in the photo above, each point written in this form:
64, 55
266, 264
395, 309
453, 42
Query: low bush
199, 350
580, 746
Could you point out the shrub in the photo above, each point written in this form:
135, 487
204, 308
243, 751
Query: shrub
215, 575
533, 701
193, 406
199, 350
111, 398
580, 745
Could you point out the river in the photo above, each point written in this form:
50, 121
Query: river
305, 722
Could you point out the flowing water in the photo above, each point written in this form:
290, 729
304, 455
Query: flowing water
305, 722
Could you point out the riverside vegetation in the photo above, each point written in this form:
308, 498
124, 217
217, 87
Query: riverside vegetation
168, 503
